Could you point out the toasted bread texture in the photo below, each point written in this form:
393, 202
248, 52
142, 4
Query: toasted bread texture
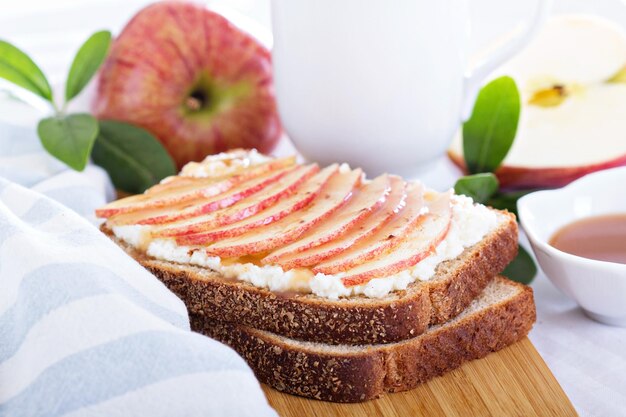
353, 320
503, 314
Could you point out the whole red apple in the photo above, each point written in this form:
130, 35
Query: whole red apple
191, 78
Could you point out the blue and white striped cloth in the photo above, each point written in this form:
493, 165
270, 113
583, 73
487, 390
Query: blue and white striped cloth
84, 329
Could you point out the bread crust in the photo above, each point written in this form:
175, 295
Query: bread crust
358, 374
354, 320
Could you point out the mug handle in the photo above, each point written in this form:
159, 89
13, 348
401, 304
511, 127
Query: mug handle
518, 38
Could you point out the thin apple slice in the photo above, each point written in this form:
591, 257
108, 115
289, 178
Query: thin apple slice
394, 203
365, 201
337, 192
171, 213
183, 189
244, 175
245, 208
179, 192
305, 194
420, 243
388, 237
233, 163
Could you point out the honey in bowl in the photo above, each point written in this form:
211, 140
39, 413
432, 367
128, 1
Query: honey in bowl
602, 238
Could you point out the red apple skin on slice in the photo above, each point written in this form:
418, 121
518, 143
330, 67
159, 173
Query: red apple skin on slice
245, 208
365, 201
244, 175
388, 237
179, 193
519, 178
193, 79
182, 189
395, 202
161, 215
337, 192
513, 177
305, 194
420, 243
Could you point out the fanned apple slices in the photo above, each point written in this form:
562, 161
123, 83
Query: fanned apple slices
365, 201
388, 237
395, 202
285, 186
419, 243
184, 189
200, 206
329, 221
305, 194
336, 192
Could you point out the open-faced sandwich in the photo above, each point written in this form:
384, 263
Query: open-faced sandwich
331, 285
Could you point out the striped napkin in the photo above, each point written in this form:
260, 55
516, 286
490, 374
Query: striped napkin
84, 329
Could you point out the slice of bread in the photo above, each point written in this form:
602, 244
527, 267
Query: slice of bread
354, 320
501, 315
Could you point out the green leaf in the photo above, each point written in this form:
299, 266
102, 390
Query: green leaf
18, 68
69, 138
134, 159
490, 131
522, 269
507, 201
87, 61
478, 186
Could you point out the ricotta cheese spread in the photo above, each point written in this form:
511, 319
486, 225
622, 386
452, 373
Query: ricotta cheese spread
222, 164
470, 223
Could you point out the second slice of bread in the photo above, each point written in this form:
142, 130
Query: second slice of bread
503, 314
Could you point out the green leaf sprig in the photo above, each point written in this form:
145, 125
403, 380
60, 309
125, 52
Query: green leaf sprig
132, 156
490, 131
18, 68
487, 138
134, 159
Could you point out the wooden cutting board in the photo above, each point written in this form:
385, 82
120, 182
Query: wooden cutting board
512, 382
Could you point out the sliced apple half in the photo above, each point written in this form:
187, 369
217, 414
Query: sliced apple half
420, 243
182, 189
303, 196
367, 199
385, 239
337, 192
395, 202
557, 145
200, 206
247, 207
573, 104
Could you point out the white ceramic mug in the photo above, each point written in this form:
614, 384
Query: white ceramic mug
376, 83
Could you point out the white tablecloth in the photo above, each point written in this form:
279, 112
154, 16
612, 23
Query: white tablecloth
587, 358
84, 329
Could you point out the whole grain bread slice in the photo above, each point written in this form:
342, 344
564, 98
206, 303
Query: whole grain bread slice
354, 320
503, 314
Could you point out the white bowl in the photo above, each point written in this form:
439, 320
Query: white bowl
598, 287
